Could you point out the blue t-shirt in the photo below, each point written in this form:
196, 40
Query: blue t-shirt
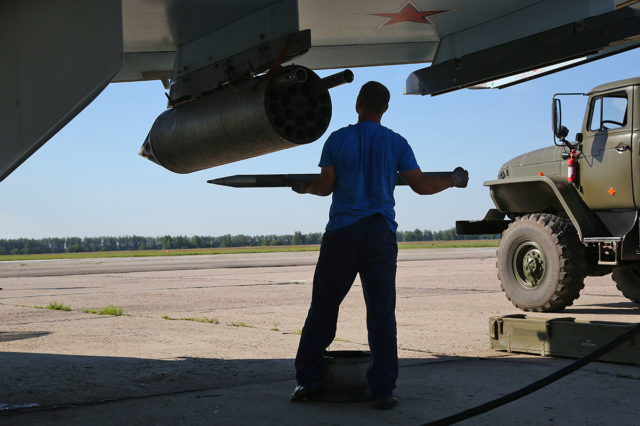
367, 157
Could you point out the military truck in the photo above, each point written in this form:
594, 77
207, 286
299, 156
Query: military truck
571, 210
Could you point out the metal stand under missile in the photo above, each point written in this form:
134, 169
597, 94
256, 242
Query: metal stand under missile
344, 377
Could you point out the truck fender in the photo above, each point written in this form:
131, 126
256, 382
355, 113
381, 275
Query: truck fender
538, 194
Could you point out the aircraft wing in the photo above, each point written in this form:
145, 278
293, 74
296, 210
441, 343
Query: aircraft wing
58, 55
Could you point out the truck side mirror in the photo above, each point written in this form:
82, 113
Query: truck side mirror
556, 118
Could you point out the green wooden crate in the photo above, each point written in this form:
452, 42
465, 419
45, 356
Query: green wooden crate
562, 337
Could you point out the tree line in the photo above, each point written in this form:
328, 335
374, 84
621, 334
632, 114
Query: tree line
168, 242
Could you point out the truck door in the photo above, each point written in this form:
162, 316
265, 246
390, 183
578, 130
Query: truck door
605, 163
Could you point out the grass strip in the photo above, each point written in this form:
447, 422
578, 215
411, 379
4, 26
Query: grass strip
55, 306
196, 319
235, 250
239, 324
116, 311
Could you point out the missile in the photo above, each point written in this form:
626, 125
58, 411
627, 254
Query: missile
263, 181
272, 181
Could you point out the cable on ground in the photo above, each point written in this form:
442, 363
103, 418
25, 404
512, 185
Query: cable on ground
576, 365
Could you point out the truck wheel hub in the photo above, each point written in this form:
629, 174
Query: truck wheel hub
529, 264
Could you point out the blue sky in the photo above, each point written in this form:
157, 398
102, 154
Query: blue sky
89, 181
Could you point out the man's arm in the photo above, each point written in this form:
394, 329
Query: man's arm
322, 186
423, 185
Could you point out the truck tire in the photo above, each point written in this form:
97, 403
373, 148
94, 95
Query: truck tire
627, 280
540, 263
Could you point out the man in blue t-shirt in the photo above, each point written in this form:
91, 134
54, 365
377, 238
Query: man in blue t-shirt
359, 166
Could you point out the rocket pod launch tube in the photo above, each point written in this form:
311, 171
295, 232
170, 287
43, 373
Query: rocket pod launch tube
264, 114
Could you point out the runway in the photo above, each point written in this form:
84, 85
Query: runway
211, 340
63, 267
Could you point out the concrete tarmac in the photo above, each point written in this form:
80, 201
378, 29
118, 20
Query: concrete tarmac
45, 268
211, 340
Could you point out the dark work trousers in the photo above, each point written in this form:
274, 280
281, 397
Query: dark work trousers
367, 247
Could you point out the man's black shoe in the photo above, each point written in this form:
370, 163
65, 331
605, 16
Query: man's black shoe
303, 392
387, 403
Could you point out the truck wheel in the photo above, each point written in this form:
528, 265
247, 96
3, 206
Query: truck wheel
627, 280
540, 263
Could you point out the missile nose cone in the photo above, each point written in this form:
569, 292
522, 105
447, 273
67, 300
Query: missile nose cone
238, 181
220, 181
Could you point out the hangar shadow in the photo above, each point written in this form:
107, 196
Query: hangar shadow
60, 380
97, 390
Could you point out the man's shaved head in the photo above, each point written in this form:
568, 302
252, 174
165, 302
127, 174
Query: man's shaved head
374, 97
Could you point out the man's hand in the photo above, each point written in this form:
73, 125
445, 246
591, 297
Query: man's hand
460, 177
300, 187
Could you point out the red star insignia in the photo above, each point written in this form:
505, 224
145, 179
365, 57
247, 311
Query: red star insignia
409, 13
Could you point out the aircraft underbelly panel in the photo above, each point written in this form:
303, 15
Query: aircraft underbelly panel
163, 25
362, 55
344, 33
56, 56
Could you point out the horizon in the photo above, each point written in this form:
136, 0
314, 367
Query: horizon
400, 231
